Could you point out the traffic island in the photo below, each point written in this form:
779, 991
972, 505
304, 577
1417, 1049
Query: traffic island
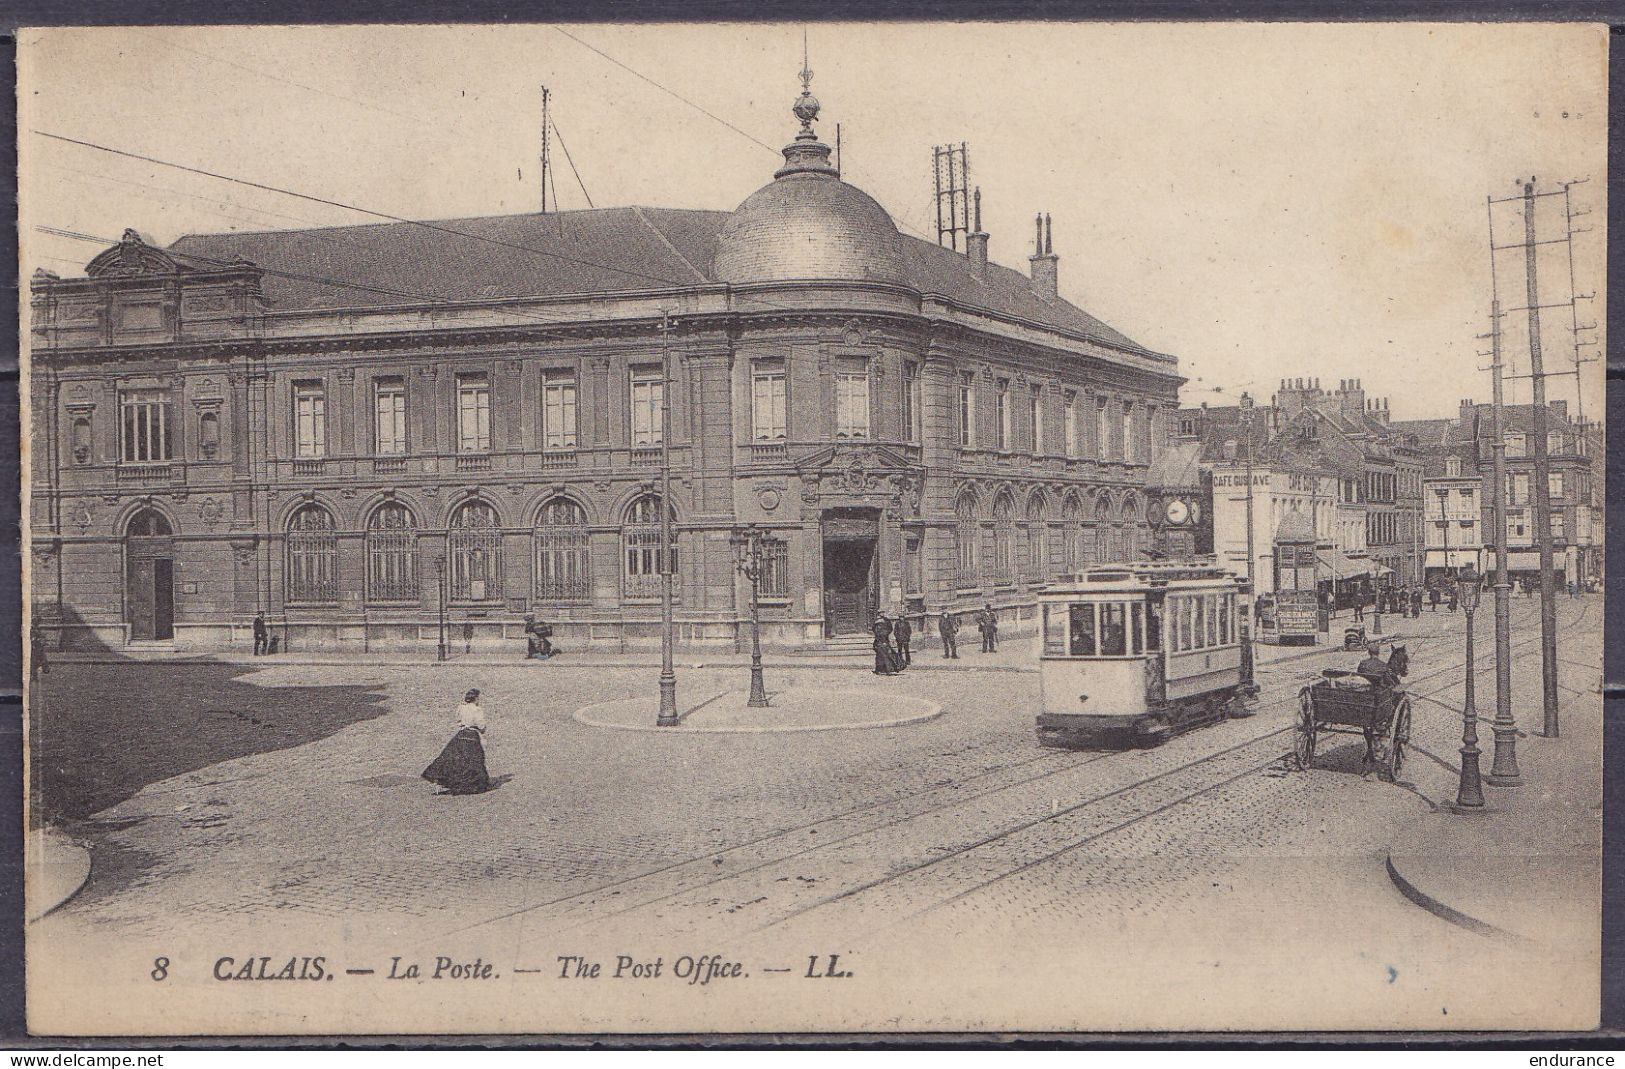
793, 709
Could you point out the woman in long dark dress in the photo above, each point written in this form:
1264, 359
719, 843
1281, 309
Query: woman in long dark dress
460, 768
885, 656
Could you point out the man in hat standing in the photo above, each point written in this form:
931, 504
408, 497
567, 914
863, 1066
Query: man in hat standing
948, 631
987, 622
903, 632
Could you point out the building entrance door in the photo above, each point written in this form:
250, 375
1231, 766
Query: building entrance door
851, 570
150, 579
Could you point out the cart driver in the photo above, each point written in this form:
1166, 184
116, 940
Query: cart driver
1374, 669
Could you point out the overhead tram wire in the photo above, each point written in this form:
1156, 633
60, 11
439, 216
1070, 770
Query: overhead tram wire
669, 92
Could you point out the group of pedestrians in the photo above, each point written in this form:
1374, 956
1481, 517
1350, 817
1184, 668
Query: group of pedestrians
894, 637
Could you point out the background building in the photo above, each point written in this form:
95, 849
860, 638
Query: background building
358, 430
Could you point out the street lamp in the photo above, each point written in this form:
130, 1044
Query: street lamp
750, 546
1376, 601
440, 577
1470, 794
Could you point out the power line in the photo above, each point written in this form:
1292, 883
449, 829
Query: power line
668, 92
572, 162
357, 208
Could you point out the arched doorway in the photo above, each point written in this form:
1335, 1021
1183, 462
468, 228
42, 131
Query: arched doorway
149, 553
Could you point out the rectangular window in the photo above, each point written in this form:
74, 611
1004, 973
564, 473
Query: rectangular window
1517, 445
852, 400
648, 406
1102, 429
1069, 425
310, 419
1113, 629
1518, 488
1185, 611
1125, 439
389, 415
1056, 628
1035, 409
144, 419
1001, 415
1558, 527
1199, 623
967, 410
767, 401
911, 402
1136, 616
1554, 484
1082, 637
559, 411
1554, 442
775, 578
473, 414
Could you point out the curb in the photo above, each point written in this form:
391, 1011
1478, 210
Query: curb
361, 662
1444, 912
54, 840
932, 711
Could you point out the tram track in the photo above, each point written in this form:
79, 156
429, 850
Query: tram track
1057, 819
704, 872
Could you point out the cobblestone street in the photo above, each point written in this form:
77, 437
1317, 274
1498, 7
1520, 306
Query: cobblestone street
1209, 855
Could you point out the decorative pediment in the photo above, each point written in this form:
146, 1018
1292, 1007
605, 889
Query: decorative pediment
132, 256
844, 456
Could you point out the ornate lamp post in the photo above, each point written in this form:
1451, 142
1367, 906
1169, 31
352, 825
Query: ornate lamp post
750, 546
440, 578
667, 717
1470, 793
1376, 602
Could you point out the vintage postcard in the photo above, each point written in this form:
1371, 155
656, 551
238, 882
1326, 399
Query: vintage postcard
831, 528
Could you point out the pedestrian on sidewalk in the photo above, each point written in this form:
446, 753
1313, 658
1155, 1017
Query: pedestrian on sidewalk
948, 631
987, 622
885, 656
1433, 597
1452, 599
903, 632
539, 637
262, 634
460, 768
1416, 602
1359, 608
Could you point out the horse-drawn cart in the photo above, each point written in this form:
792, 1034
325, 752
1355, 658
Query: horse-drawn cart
1347, 704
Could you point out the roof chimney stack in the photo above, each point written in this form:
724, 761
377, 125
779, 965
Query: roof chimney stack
976, 241
1043, 260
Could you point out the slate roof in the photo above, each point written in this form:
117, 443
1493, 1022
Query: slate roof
1176, 468
596, 251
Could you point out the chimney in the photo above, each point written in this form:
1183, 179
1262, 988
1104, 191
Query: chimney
1380, 410
1045, 275
976, 241
1466, 411
1246, 400
1352, 399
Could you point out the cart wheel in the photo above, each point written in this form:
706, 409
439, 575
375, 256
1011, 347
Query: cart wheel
1303, 744
1399, 737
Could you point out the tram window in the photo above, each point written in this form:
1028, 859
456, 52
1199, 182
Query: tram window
1113, 629
1212, 619
1083, 630
1199, 627
1136, 613
1225, 609
1055, 630
1153, 626
1185, 625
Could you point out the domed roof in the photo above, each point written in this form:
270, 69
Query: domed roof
808, 225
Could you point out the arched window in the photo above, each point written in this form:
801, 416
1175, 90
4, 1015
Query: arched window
1036, 567
392, 559
474, 553
563, 564
641, 541
1004, 539
967, 552
1132, 515
1106, 529
148, 523
1072, 533
313, 556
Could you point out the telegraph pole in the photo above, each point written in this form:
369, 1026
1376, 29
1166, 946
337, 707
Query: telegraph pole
1543, 495
545, 148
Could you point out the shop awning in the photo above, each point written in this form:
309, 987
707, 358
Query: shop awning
1342, 566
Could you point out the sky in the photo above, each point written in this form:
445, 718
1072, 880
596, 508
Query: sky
1262, 201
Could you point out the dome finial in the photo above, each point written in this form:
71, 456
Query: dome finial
806, 107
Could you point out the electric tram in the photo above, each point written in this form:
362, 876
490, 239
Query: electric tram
1135, 652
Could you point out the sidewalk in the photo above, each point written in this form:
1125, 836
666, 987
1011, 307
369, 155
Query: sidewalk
1015, 654
1526, 868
